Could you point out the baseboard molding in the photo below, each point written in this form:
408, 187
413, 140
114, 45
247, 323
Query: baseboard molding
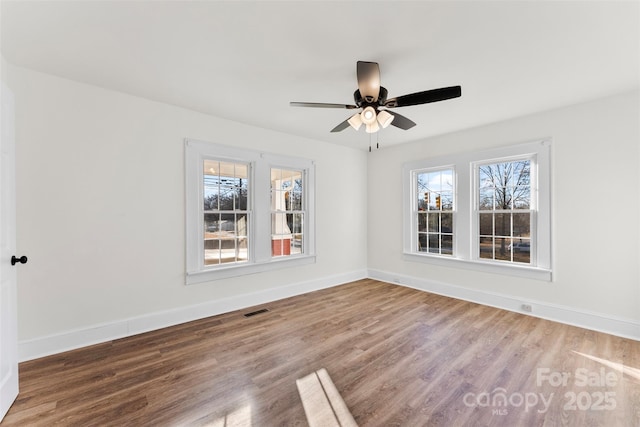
625, 328
73, 339
70, 340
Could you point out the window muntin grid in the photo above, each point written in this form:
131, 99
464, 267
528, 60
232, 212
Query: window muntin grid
435, 207
225, 210
504, 211
287, 212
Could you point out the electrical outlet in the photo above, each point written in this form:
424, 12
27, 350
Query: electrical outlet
526, 307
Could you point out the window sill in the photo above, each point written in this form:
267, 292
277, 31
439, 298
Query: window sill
524, 271
219, 273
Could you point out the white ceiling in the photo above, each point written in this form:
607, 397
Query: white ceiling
246, 60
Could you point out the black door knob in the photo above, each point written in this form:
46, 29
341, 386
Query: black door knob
21, 260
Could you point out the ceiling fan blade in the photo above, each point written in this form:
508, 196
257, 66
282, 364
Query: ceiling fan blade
321, 105
401, 121
368, 80
342, 126
424, 97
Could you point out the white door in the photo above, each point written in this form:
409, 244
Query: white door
8, 301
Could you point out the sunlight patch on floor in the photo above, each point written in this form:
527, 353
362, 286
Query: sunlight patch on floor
241, 417
322, 402
625, 370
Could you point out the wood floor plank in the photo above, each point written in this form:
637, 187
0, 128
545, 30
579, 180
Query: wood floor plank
398, 357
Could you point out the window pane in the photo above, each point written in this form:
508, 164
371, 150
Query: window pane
486, 224
447, 244
486, 198
422, 242
295, 200
502, 249
522, 224
422, 221
502, 224
434, 222
521, 250
446, 223
226, 198
211, 221
522, 197
486, 247
447, 201
447, 180
434, 243
296, 225
502, 199
434, 181
211, 251
243, 253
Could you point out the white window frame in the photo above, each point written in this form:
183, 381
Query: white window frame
414, 207
258, 206
465, 225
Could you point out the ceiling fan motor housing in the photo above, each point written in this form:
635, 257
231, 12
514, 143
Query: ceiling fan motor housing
362, 102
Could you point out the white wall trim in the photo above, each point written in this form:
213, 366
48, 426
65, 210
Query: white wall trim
73, 339
625, 328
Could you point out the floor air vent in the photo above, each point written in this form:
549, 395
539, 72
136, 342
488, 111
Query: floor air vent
253, 313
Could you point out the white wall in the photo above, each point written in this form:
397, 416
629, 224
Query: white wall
100, 207
595, 153
101, 214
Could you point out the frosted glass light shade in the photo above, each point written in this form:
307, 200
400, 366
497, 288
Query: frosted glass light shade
373, 127
355, 121
384, 118
368, 116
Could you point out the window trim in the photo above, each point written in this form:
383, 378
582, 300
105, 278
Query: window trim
465, 225
259, 211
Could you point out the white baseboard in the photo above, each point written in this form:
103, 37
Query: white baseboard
625, 328
69, 340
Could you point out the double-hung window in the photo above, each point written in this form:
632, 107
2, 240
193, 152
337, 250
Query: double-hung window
486, 210
503, 210
246, 211
434, 213
225, 211
287, 212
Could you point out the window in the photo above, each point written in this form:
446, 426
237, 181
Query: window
504, 210
487, 211
246, 211
225, 211
435, 211
287, 213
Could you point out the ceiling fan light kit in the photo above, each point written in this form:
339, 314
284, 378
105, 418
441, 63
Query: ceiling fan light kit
372, 128
384, 118
372, 98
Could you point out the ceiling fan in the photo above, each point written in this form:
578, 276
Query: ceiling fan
372, 98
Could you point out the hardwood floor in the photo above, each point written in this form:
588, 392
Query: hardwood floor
398, 357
